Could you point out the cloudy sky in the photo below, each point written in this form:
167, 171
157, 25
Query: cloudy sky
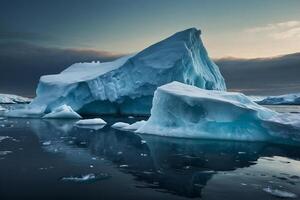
46, 36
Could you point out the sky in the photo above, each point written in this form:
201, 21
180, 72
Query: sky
237, 28
39, 37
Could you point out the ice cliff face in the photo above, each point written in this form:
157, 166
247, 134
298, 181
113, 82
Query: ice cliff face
126, 86
181, 110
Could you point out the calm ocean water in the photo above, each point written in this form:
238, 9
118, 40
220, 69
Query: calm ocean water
53, 159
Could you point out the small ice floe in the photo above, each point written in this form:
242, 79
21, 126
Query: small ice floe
2, 109
95, 124
63, 111
241, 152
148, 173
143, 142
123, 166
144, 154
4, 138
280, 193
128, 127
119, 125
46, 143
4, 153
88, 178
130, 117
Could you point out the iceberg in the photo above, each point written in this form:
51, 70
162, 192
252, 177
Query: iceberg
126, 85
63, 111
287, 99
12, 99
181, 110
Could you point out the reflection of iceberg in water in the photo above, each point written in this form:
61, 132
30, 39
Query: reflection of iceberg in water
178, 166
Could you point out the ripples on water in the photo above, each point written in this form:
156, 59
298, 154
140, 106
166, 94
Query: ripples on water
53, 159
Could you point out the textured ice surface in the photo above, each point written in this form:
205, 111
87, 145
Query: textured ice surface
181, 110
287, 99
126, 85
10, 98
63, 111
280, 193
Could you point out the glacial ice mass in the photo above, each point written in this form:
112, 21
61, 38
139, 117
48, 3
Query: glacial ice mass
12, 99
126, 85
181, 110
287, 99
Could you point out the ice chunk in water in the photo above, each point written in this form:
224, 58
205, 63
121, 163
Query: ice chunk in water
280, 193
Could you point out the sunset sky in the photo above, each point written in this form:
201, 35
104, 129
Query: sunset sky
238, 28
39, 37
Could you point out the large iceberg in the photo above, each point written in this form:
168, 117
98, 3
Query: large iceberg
287, 99
12, 99
126, 85
181, 110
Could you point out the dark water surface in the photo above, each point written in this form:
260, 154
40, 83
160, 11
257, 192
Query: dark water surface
46, 159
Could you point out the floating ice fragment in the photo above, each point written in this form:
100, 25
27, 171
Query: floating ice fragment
94, 124
46, 143
4, 153
95, 121
128, 127
63, 111
4, 138
119, 125
87, 178
280, 193
2, 109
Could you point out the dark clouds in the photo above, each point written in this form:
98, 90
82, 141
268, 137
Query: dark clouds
275, 75
21, 64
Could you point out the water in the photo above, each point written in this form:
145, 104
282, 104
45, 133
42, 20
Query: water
53, 159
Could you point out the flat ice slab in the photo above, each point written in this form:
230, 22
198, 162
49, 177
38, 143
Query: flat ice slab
181, 110
95, 121
95, 124
128, 127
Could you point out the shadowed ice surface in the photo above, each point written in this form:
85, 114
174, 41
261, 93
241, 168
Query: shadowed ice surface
53, 159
